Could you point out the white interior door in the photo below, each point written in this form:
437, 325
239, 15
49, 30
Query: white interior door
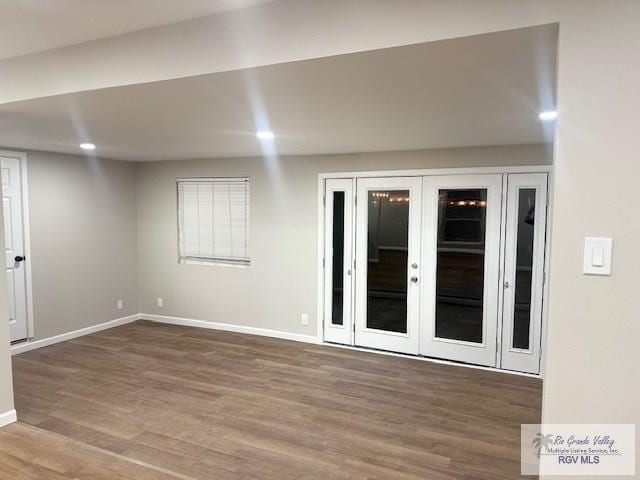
338, 261
388, 263
14, 247
461, 247
523, 271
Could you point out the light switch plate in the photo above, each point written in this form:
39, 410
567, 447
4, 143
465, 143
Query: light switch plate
597, 256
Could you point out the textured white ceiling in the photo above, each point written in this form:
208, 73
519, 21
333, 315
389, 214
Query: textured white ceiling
480, 90
28, 26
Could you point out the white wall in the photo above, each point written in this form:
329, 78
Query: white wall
594, 322
83, 240
281, 282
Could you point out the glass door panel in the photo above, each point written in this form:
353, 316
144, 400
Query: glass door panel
387, 249
460, 264
523, 273
338, 261
387, 265
461, 240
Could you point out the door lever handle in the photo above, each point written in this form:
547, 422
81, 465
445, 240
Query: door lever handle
19, 258
414, 279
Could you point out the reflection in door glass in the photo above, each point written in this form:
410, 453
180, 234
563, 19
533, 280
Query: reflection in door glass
460, 264
524, 267
338, 259
387, 250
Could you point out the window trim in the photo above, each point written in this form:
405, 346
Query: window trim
218, 262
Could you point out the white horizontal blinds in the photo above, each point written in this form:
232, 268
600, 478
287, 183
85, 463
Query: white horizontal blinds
214, 220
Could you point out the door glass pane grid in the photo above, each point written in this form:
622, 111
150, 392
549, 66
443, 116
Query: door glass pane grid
387, 258
460, 264
524, 269
337, 280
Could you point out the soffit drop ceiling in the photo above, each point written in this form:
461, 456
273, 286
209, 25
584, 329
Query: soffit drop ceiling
480, 90
29, 26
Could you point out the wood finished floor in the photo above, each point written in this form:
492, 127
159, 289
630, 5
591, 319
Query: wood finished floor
152, 401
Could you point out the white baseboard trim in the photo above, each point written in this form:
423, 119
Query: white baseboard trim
32, 345
8, 417
228, 327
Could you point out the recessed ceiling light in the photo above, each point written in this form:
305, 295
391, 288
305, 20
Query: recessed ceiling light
87, 146
548, 115
265, 135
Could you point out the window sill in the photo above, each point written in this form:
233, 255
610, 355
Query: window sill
213, 263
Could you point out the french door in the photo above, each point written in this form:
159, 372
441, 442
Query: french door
388, 263
461, 246
445, 266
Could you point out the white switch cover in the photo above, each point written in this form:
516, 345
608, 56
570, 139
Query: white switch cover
160, 302
119, 304
597, 256
304, 319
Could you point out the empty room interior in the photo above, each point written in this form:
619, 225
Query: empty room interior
319, 239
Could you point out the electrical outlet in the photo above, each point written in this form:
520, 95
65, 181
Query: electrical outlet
304, 319
120, 304
160, 302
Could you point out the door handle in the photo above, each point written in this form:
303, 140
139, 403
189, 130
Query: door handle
19, 258
414, 279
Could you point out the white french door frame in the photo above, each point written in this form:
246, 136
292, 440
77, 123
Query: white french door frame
483, 353
22, 157
334, 332
365, 336
546, 169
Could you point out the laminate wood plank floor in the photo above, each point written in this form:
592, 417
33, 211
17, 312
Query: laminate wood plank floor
193, 404
27, 452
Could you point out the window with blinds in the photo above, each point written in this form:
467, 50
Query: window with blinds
213, 220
